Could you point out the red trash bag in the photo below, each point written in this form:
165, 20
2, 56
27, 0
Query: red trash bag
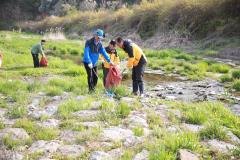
43, 62
114, 77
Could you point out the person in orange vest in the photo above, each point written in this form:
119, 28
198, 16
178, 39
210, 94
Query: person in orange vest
136, 61
112, 53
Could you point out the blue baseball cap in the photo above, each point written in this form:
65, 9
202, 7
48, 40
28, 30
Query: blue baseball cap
99, 33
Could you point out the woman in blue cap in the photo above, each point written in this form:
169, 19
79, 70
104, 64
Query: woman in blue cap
93, 48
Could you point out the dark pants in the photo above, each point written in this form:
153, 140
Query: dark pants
105, 73
137, 77
35, 60
92, 77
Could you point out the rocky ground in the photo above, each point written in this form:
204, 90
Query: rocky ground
101, 140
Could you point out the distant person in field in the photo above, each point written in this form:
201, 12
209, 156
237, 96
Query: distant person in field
136, 61
36, 49
112, 53
93, 48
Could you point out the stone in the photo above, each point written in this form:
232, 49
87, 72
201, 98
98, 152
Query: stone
91, 124
50, 123
116, 134
99, 155
96, 104
143, 155
115, 153
192, 127
220, 146
86, 114
233, 137
187, 155
71, 150
133, 141
45, 146
16, 134
80, 98
10, 155
128, 100
137, 121
69, 136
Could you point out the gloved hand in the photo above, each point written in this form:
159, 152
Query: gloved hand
90, 65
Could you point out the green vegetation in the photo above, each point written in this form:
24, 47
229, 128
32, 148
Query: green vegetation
123, 110
213, 130
138, 131
37, 132
236, 85
154, 120
17, 112
167, 146
12, 144
236, 74
225, 78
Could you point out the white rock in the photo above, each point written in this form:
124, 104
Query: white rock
71, 150
85, 114
45, 146
116, 134
50, 123
192, 127
69, 136
17, 134
233, 137
142, 155
220, 146
99, 155
187, 155
136, 121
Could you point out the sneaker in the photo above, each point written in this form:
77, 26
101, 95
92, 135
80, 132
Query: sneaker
142, 95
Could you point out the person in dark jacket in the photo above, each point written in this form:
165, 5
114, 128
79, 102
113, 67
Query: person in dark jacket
136, 61
36, 49
93, 48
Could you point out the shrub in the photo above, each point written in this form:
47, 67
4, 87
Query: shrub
17, 112
53, 91
213, 130
225, 78
236, 74
138, 131
184, 56
74, 52
46, 134
236, 85
195, 116
123, 110
153, 120
70, 106
219, 68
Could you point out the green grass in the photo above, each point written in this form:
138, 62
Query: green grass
225, 78
154, 120
37, 132
219, 68
138, 131
167, 146
72, 105
236, 85
88, 135
17, 112
199, 113
2, 125
123, 110
13, 144
213, 130
236, 74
